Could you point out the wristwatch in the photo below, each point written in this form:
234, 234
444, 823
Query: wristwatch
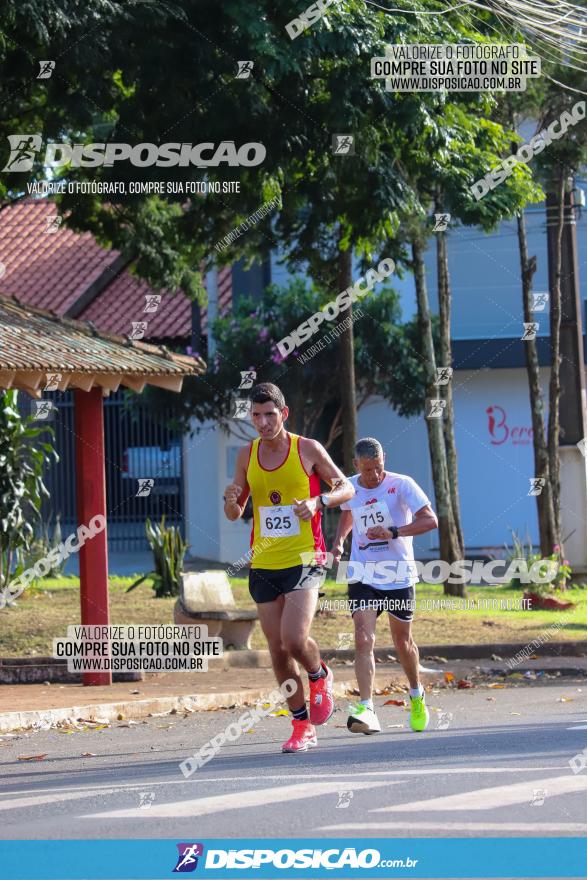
322, 501
394, 532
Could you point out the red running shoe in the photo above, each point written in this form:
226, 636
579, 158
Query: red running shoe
303, 737
321, 701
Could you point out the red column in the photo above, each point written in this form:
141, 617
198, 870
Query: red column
91, 500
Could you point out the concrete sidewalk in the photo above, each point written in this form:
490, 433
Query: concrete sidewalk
38, 705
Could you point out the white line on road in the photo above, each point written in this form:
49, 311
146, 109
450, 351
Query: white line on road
237, 800
578, 727
491, 798
545, 829
42, 796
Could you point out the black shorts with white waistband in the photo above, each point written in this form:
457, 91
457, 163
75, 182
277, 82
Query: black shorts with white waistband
400, 603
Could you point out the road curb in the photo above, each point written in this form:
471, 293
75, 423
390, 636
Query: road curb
138, 709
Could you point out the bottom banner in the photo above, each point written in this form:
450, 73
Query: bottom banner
368, 857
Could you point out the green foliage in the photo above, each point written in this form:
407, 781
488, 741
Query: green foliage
386, 359
22, 460
169, 550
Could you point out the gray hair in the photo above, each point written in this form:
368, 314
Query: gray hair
368, 447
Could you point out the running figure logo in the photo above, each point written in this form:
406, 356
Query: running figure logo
247, 379
22, 151
539, 301
536, 485
441, 222
436, 407
187, 859
245, 68
530, 331
443, 375
139, 329
46, 69
343, 144
152, 302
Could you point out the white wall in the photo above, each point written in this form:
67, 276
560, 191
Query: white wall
208, 469
495, 467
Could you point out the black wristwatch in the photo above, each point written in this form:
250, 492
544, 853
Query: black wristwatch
394, 532
322, 502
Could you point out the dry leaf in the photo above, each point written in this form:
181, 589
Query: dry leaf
565, 699
279, 712
32, 757
496, 684
448, 677
463, 683
490, 699
89, 755
395, 703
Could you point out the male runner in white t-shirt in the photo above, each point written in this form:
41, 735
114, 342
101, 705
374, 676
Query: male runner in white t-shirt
386, 510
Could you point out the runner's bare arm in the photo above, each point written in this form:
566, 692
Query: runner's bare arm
345, 524
236, 493
316, 458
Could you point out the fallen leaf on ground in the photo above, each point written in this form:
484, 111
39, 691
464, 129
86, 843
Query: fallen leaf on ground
135, 692
534, 657
395, 703
490, 699
32, 757
496, 684
279, 712
250, 731
515, 713
448, 677
516, 675
94, 720
120, 717
437, 659
463, 683
89, 755
565, 699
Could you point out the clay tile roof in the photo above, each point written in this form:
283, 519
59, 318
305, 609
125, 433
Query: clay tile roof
53, 269
34, 342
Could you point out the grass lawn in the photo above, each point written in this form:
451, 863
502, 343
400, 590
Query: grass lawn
44, 611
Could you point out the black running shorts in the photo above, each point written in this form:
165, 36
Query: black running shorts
400, 603
266, 584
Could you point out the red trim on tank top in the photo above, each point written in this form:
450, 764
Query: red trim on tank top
302, 461
316, 521
269, 470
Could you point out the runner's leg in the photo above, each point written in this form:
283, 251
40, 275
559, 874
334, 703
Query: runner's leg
284, 665
296, 620
407, 650
365, 623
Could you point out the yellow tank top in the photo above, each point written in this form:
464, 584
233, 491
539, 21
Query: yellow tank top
278, 536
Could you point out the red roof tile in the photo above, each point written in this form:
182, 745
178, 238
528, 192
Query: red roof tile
51, 270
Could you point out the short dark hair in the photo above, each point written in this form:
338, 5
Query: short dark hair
266, 392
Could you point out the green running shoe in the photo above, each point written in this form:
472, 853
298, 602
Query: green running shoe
419, 715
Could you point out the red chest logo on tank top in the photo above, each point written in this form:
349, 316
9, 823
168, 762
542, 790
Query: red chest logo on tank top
391, 491
275, 497
373, 501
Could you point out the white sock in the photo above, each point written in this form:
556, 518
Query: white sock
417, 692
367, 703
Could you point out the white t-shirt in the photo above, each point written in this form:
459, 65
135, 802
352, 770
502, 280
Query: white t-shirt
393, 502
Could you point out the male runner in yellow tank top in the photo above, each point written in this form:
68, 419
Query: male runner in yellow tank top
282, 472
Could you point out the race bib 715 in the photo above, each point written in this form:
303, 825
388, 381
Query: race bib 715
370, 515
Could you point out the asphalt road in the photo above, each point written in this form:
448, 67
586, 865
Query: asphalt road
500, 768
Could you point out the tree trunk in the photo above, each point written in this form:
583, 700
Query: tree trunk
449, 543
555, 387
347, 369
444, 303
546, 520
